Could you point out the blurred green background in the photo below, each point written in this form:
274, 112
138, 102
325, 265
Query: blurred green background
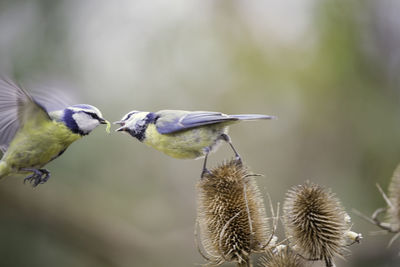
328, 69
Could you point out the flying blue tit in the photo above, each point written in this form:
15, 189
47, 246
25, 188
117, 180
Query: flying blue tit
183, 134
31, 136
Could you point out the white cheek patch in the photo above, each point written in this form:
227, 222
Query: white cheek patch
136, 120
85, 122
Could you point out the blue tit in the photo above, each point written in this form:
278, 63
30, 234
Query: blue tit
31, 136
183, 134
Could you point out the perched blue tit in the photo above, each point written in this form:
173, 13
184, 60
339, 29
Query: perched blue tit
31, 136
183, 134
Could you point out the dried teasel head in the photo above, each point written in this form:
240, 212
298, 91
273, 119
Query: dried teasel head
392, 222
281, 256
231, 215
393, 210
315, 222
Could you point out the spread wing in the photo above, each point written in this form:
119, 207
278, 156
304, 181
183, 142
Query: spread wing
17, 107
170, 121
54, 95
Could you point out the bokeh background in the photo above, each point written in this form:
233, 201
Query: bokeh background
328, 69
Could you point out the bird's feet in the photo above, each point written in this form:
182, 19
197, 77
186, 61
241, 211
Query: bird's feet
39, 176
227, 139
238, 160
204, 172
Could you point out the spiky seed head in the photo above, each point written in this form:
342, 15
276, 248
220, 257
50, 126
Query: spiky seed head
393, 211
231, 214
282, 257
315, 222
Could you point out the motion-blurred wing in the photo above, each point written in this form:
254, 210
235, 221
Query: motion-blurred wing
54, 95
16, 108
3, 149
171, 121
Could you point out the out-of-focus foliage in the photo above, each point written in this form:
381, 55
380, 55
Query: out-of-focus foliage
327, 69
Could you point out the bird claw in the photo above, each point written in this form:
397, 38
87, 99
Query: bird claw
205, 172
238, 160
39, 176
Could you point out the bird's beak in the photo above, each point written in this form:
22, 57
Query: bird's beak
122, 129
103, 121
122, 123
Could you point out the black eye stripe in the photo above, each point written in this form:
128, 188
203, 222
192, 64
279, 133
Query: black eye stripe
93, 115
130, 115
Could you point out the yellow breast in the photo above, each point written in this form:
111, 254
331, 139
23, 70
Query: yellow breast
35, 145
186, 144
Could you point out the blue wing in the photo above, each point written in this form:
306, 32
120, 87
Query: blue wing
170, 121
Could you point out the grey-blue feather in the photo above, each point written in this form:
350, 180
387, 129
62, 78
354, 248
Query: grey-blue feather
249, 117
170, 121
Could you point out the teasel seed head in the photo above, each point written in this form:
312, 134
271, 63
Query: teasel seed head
231, 214
393, 210
315, 222
281, 256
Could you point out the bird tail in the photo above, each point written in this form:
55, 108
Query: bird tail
252, 117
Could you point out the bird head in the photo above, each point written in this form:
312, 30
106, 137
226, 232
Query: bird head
126, 117
135, 123
83, 118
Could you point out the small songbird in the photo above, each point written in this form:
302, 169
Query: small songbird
183, 134
31, 136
